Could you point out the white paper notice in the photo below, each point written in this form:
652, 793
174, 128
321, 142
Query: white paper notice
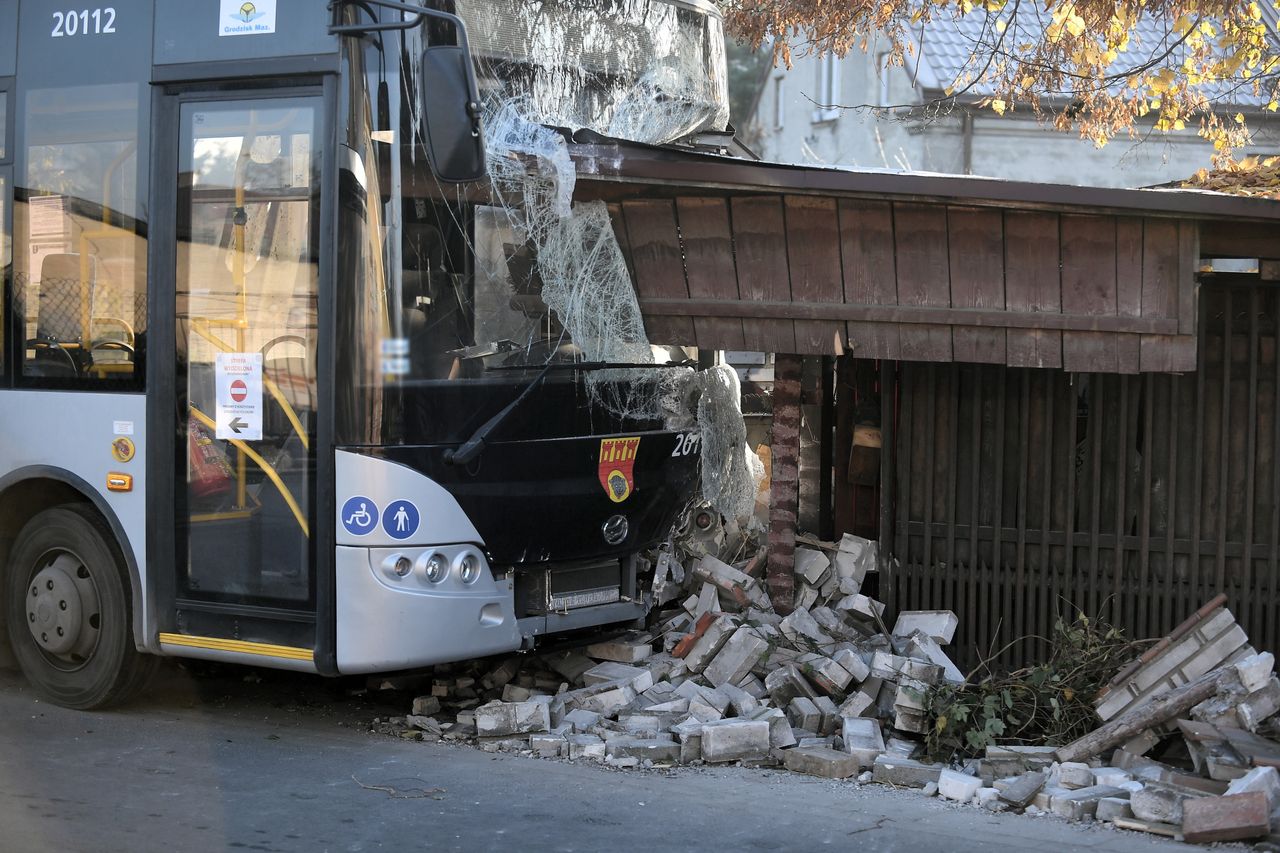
239, 384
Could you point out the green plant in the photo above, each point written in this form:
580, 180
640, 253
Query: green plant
1048, 703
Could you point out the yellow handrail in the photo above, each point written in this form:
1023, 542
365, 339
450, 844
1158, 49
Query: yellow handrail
272, 388
266, 469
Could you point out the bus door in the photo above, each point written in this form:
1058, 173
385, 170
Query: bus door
247, 196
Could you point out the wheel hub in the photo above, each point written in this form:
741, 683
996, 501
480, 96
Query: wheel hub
62, 609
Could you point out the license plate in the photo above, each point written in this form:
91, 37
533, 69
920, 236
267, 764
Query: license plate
585, 598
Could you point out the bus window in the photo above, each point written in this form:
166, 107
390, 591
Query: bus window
247, 280
4, 124
80, 277
6, 245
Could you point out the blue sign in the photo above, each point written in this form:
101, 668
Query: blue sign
400, 519
359, 516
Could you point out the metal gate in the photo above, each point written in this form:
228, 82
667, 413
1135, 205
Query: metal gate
1017, 494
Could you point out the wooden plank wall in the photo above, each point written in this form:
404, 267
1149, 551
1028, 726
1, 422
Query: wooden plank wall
1023, 494
914, 281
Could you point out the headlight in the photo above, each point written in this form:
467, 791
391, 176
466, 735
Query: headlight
435, 568
403, 566
469, 568
397, 566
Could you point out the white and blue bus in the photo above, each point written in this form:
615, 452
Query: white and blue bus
249, 407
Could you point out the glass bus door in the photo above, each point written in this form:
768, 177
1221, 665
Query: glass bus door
246, 279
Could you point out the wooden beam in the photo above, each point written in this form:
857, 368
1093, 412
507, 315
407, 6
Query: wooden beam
664, 307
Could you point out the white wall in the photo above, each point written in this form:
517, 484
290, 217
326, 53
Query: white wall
1014, 146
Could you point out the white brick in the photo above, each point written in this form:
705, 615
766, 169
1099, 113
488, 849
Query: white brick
958, 786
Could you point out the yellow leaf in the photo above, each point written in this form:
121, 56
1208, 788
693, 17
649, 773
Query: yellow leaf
1239, 118
1001, 26
998, 105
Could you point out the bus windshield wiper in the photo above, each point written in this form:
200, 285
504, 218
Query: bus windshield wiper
473, 446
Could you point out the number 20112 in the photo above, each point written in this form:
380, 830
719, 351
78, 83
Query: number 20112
86, 22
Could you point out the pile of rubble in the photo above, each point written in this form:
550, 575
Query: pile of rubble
828, 691
721, 677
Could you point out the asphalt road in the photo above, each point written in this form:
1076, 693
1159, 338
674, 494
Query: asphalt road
212, 762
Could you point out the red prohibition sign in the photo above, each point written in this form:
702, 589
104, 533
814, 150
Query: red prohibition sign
239, 390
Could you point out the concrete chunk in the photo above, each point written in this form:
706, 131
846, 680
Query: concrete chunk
628, 648
1160, 803
1111, 808
860, 608
547, 745
651, 748
705, 648
799, 626
812, 565
780, 734
585, 746
1231, 818
829, 715
904, 772
785, 684
938, 624
957, 786
1081, 803
804, 714
495, 719
921, 645
581, 719
1264, 780
1259, 705
739, 654
853, 664
820, 761
1074, 774
1024, 790
639, 679
829, 677
735, 740
1255, 670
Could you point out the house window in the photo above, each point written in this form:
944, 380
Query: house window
827, 93
779, 101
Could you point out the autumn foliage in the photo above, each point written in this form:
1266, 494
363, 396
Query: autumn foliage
1082, 64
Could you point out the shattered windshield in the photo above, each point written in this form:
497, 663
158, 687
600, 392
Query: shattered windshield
514, 273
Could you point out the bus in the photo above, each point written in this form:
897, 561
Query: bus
251, 406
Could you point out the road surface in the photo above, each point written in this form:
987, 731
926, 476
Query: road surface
211, 761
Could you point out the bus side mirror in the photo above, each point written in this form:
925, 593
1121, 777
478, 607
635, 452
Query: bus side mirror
451, 124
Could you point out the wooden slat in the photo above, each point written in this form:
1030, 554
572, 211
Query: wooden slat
759, 241
709, 268
975, 237
866, 251
813, 251
920, 248
1160, 286
1033, 283
1227, 239
1128, 287
1089, 287
658, 266
911, 315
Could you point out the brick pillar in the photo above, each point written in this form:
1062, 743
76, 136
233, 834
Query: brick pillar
784, 492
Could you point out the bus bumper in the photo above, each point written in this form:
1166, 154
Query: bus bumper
387, 621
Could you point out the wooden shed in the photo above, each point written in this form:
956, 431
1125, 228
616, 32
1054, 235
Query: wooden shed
1077, 388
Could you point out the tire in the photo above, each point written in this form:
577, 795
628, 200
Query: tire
69, 611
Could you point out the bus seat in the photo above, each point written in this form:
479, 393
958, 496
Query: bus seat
64, 298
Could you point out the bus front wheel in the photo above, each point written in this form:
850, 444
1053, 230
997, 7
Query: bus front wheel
68, 611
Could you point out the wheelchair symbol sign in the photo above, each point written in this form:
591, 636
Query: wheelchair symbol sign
359, 516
